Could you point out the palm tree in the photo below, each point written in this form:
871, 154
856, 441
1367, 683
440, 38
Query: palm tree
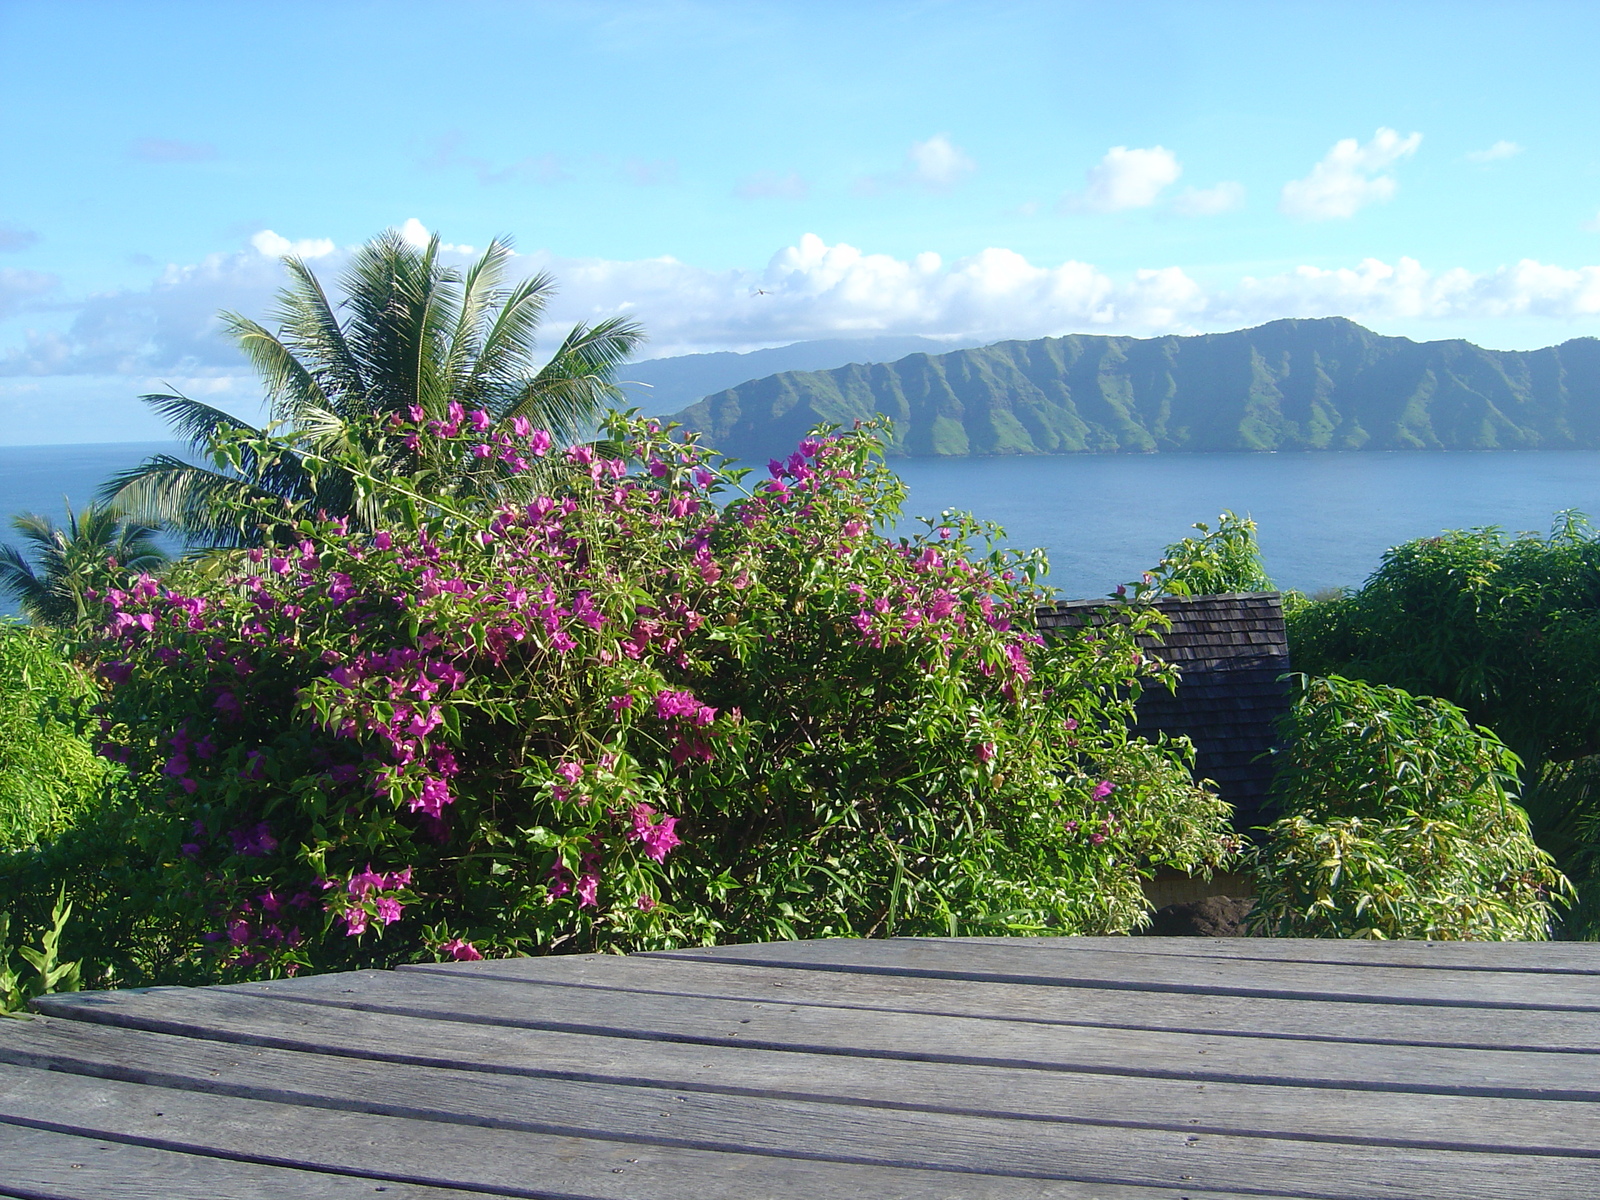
415, 334
99, 548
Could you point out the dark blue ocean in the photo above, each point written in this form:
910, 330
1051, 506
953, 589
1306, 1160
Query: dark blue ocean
1325, 518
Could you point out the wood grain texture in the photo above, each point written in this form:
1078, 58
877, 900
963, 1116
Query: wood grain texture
788, 1026
489, 1132
934, 958
40, 1164
1396, 1024
1560, 958
523, 1164
375, 1042
1067, 1069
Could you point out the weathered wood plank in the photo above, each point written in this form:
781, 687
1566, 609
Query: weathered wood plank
43, 1165
1132, 971
1399, 1024
263, 1032
466, 1123
524, 1164
1544, 958
788, 1026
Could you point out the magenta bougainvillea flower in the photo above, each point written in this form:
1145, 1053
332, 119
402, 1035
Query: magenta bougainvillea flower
621, 697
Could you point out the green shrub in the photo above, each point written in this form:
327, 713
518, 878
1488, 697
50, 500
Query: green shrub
1399, 821
1563, 805
1508, 628
1220, 560
48, 973
48, 771
651, 709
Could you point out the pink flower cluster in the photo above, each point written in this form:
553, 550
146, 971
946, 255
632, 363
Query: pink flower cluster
371, 898
689, 719
659, 837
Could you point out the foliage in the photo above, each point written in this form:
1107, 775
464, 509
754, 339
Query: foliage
48, 770
419, 338
656, 708
98, 548
50, 974
124, 931
1400, 821
1506, 627
1220, 560
1563, 805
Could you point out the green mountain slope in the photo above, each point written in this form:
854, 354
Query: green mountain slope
1325, 384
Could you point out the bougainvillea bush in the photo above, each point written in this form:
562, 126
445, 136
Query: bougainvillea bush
652, 707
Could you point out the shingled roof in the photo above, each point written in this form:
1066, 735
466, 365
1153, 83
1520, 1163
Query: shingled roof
1231, 651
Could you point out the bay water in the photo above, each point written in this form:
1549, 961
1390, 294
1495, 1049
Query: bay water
1325, 518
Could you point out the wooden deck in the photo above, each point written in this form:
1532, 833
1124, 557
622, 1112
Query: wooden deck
1027, 1068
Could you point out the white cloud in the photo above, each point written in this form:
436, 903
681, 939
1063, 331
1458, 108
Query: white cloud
769, 185
935, 165
1349, 177
1501, 149
810, 289
1209, 202
417, 234
275, 245
938, 163
1126, 179
1406, 289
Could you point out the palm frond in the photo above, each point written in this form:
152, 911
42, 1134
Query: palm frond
290, 385
402, 305
311, 330
408, 331
193, 421
480, 294
19, 581
505, 360
212, 508
97, 548
575, 386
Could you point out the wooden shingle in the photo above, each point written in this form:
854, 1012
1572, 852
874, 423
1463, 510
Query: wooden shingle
1232, 651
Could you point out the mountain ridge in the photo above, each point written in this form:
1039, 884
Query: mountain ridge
1322, 383
663, 385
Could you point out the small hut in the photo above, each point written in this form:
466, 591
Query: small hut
1232, 651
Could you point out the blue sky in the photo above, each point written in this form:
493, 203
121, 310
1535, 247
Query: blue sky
739, 175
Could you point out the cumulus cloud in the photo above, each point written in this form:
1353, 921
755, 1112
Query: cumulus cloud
274, 245
1494, 153
938, 163
811, 289
1209, 202
166, 150
769, 185
1407, 289
13, 238
417, 234
935, 165
1349, 177
1126, 179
